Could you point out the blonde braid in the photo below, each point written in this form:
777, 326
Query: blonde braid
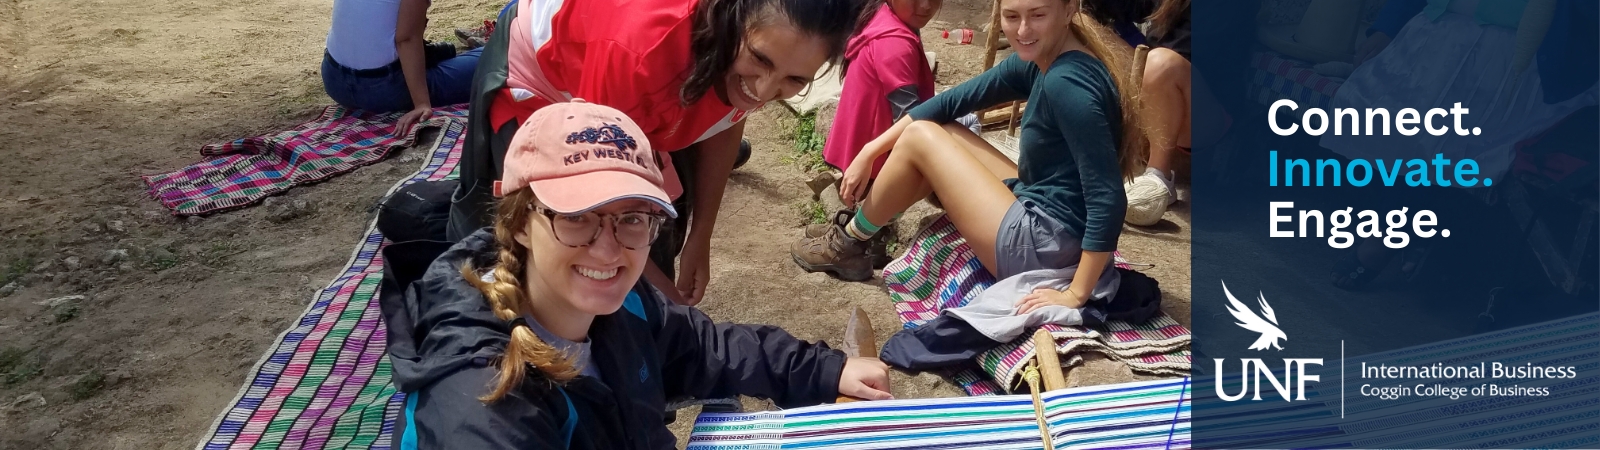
508, 299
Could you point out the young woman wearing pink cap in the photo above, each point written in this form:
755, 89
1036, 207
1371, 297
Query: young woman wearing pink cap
539, 333
687, 70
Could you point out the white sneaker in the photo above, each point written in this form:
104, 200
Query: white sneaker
1148, 197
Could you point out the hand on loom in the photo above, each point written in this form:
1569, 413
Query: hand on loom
865, 378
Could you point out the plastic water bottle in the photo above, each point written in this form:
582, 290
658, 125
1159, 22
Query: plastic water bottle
962, 36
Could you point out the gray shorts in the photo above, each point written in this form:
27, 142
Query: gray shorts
1031, 240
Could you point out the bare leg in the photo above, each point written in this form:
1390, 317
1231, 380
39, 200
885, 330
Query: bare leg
998, 163
956, 165
1166, 100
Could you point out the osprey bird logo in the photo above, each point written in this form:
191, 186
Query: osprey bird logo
1270, 334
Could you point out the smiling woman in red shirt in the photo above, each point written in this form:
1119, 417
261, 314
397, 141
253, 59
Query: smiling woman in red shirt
687, 70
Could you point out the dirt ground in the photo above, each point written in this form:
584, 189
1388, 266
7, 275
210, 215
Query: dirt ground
157, 321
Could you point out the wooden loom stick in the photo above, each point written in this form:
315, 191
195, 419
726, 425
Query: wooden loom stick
1031, 375
997, 114
991, 45
1011, 119
1044, 349
1046, 361
858, 339
992, 40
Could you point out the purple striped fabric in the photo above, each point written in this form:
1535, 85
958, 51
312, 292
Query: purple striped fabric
327, 383
243, 172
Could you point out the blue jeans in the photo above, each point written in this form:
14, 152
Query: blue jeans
449, 82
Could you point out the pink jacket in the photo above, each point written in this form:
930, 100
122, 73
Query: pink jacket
887, 55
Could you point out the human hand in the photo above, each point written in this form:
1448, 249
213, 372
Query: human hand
853, 187
694, 270
1043, 297
1370, 47
865, 378
417, 115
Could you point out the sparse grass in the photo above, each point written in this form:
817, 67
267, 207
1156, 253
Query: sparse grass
813, 162
159, 261
10, 357
217, 253
16, 367
808, 144
65, 313
163, 263
16, 269
812, 211
87, 385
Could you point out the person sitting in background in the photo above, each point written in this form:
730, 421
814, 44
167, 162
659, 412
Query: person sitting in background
1167, 93
886, 74
1057, 212
377, 60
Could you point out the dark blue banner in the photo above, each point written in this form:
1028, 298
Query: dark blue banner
1395, 238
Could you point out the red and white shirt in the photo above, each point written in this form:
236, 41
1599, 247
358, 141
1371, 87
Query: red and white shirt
632, 55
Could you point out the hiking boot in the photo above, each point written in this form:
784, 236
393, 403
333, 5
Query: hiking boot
834, 252
475, 37
878, 246
468, 40
840, 219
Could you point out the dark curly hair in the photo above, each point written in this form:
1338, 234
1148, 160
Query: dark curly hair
720, 27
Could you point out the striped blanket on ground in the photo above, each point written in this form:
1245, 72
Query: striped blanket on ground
245, 171
1139, 415
1338, 415
939, 271
326, 382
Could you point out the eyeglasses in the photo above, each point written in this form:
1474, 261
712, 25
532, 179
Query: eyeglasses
633, 230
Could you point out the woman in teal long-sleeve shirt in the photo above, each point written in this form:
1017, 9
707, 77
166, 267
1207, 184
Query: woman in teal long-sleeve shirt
1061, 205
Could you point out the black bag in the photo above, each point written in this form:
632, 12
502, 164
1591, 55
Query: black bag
417, 212
1138, 298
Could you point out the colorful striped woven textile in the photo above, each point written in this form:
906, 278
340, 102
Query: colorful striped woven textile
245, 171
326, 382
1139, 415
1338, 416
939, 271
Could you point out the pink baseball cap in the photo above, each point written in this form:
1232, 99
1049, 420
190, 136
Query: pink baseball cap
578, 156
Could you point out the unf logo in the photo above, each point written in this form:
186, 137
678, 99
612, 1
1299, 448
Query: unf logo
1294, 369
606, 134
